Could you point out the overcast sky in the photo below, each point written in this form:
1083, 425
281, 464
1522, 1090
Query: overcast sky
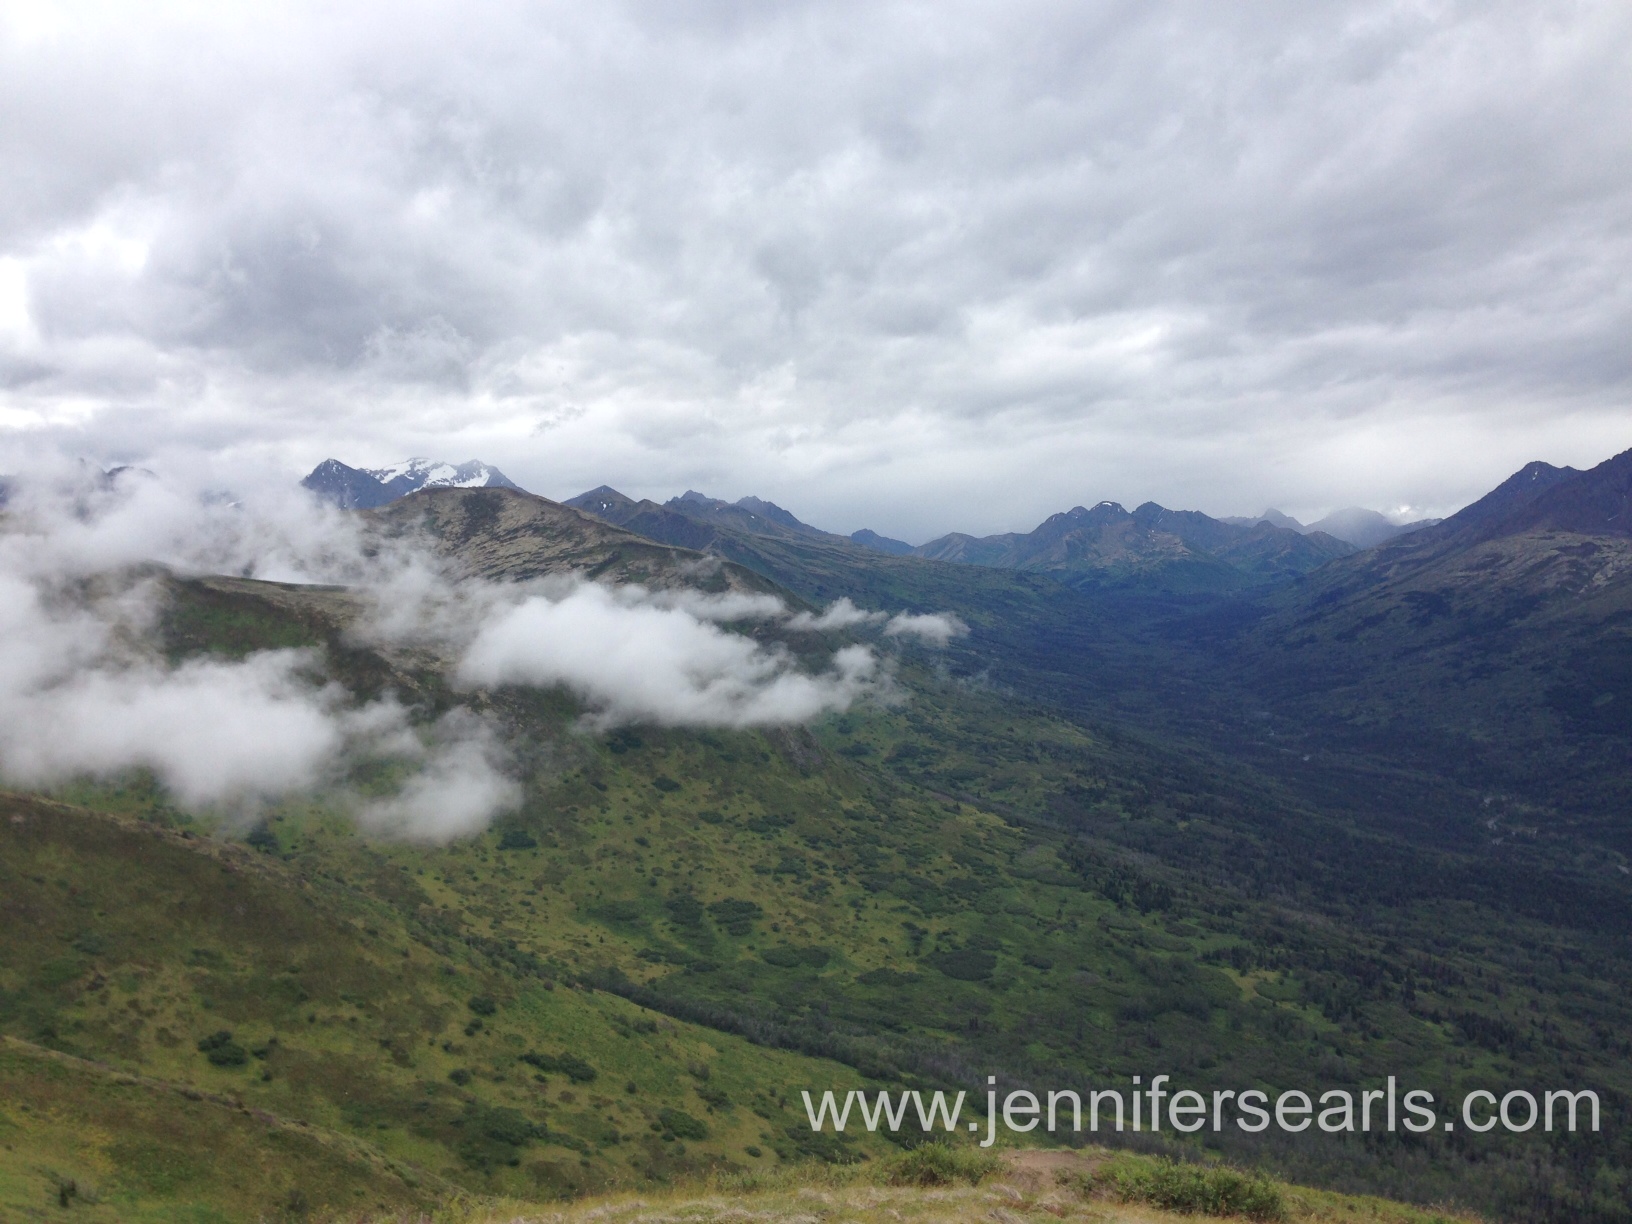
919, 267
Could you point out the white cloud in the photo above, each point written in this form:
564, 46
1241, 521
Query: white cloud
84, 689
640, 662
459, 787
933, 628
724, 608
840, 614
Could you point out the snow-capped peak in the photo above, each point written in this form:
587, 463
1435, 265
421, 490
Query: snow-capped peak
419, 473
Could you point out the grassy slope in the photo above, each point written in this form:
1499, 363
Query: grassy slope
963, 831
1088, 1185
125, 942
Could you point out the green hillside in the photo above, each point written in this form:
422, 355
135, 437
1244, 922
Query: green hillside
629, 980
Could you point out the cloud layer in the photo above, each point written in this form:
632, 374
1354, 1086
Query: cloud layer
641, 662
84, 688
906, 265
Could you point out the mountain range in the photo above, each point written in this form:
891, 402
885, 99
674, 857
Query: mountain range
1175, 550
1150, 546
364, 488
1164, 805
1359, 527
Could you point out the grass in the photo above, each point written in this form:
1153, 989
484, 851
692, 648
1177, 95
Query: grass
1188, 1189
1032, 1186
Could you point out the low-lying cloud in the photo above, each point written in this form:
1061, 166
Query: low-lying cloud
460, 786
86, 690
933, 628
644, 662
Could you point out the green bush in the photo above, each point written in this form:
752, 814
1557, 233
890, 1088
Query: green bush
569, 1065
483, 1005
964, 964
786, 957
682, 1124
939, 1164
222, 1050
888, 977
735, 916
1189, 1189
685, 909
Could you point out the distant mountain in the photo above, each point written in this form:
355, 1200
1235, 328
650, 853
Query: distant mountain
1180, 550
695, 520
748, 513
1365, 528
1480, 640
1274, 518
1174, 549
871, 539
346, 487
1359, 527
411, 475
645, 518
364, 488
509, 534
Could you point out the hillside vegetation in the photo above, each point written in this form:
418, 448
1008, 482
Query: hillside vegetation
627, 982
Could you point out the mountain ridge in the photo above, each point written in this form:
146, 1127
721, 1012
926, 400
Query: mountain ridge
352, 488
1354, 524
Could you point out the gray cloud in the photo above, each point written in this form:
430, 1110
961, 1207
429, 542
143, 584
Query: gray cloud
868, 260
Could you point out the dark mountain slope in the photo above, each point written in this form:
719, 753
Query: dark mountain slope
346, 487
868, 538
1262, 549
1495, 647
1174, 550
503, 533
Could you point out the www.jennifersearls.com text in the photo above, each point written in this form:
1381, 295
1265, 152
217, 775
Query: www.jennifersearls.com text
1156, 1107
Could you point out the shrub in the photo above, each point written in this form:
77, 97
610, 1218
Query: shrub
1186, 1188
786, 957
735, 916
263, 839
888, 977
517, 839
964, 964
681, 1124
569, 1065
483, 1005
799, 1140
685, 909
222, 1050
939, 1164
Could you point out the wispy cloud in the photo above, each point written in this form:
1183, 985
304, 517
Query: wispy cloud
633, 661
85, 687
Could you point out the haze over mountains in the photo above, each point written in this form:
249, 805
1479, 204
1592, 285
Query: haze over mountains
1360, 527
1173, 549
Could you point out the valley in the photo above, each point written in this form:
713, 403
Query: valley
1239, 838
